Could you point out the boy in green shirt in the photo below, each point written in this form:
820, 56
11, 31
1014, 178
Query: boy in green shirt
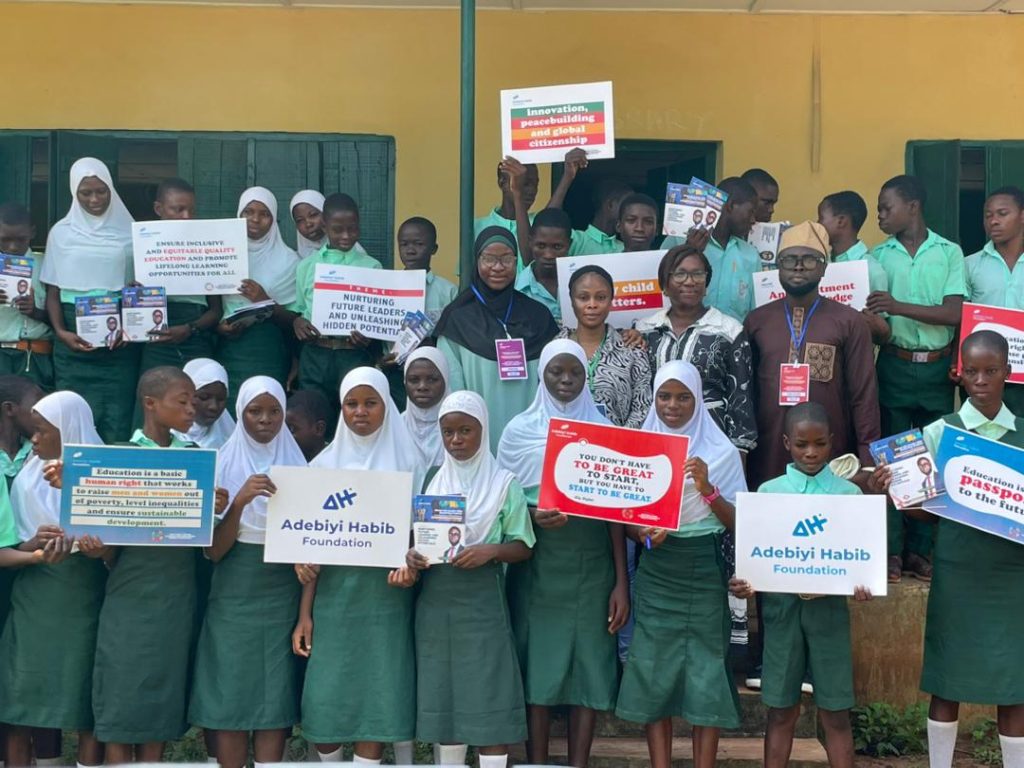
767, 189
505, 214
926, 292
806, 631
550, 237
417, 244
638, 222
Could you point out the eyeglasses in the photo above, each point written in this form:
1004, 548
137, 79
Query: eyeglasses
509, 260
682, 276
805, 260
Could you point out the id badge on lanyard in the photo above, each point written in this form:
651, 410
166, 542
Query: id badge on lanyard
510, 353
794, 376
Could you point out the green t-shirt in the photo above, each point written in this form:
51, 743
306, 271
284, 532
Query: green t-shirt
513, 523
592, 241
142, 441
305, 273
975, 421
990, 281
878, 280
440, 293
528, 284
10, 467
795, 481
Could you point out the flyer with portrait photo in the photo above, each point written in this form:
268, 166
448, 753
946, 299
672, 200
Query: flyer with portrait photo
439, 527
98, 320
16, 276
143, 313
915, 475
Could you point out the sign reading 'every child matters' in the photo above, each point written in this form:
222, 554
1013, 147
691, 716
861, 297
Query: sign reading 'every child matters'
539, 125
371, 301
635, 275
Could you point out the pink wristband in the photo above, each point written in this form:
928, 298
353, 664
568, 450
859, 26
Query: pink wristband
710, 499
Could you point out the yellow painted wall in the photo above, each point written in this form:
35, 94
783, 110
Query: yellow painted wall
744, 80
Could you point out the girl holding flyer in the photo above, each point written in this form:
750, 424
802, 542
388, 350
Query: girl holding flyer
461, 614
572, 597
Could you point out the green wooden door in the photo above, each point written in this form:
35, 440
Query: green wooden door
218, 169
937, 165
15, 168
285, 166
1004, 165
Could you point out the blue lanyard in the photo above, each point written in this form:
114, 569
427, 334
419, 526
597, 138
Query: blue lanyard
798, 342
508, 312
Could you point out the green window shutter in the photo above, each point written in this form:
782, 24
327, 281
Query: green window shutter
285, 166
1004, 165
69, 147
937, 165
15, 168
217, 168
365, 169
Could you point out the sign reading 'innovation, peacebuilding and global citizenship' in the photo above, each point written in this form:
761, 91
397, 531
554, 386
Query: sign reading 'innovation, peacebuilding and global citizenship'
539, 125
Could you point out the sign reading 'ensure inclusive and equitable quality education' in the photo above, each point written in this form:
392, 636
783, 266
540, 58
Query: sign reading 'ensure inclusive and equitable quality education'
139, 496
539, 125
191, 256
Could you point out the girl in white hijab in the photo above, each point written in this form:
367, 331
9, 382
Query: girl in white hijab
461, 609
572, 597
354, 625
260, 349
89, 253
245, 672
677, 662
213, 424
426, 385
49, 642
309, 228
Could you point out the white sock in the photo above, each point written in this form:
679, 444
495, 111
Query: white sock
49, 761
449, 754
364, 760
941, 743
1013, 751
493, 761
330, 757
403, 752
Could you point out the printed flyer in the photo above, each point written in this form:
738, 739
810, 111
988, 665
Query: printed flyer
191, 256
16, 275
374, 302
637, 294
143, 313
98, 319
540, 125
845, 282
1008, 323
439, 527
765, 236
915, 474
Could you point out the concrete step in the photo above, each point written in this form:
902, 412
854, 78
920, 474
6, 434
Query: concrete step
753, 720
732, 753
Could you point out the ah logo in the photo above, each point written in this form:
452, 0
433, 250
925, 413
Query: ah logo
337, 501
810, 527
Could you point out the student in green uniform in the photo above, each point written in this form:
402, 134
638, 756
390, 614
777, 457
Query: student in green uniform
678, 661
491, 310
569, 601
325, 360
306, 417
417, 244
212, 425
505, 215
261, 349
600, 235
923, 303
995, 274
973, 617
469, 688
26, 339
89, 253
550, 236
637, 225
146, 624
247, 678
48, 645
807, 631
191, 320
767, 189
356, 624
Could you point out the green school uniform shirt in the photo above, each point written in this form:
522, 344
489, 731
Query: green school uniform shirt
14, 326
937, 271
975, 421
305, 272
732, 280
592, 241
528, 283
495, 219
440, 293
990, 281
10, 467
795, 481
513, 523
142, 441
878, 280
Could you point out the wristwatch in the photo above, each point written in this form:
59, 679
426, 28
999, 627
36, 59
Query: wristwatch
710, 498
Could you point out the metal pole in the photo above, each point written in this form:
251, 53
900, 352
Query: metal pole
466, 139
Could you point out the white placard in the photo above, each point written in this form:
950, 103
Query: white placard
811, 544
845, 282
371, 301
539, 125
339, 517
637, 294
191, 256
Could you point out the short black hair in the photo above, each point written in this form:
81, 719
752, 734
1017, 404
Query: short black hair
609, 189
15, 215
805, 412
311, 403
339, 202
14, 388
909, 188
671, 260
420, 221
848, 203
173, 185
555, 218
988, 340
759, 176
739, 190
156, 381
1011, 191
591, 269
637, 198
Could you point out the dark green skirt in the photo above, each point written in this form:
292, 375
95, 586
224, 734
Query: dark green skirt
559, 602
361, 677
105, 378
197, 345
677, 662
246, 676
35, 366
142, 651
469, 688
260, 350
975, 619
49, 644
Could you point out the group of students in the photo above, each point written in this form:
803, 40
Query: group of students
527, 616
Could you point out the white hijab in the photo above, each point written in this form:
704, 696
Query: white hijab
707, 442
422, 422
86, 252
307, 247
480, 479
522, 445
33, 500
205, 371
242, 457
271, 262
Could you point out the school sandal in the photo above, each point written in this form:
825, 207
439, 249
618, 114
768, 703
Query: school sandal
895, 569
918, 567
